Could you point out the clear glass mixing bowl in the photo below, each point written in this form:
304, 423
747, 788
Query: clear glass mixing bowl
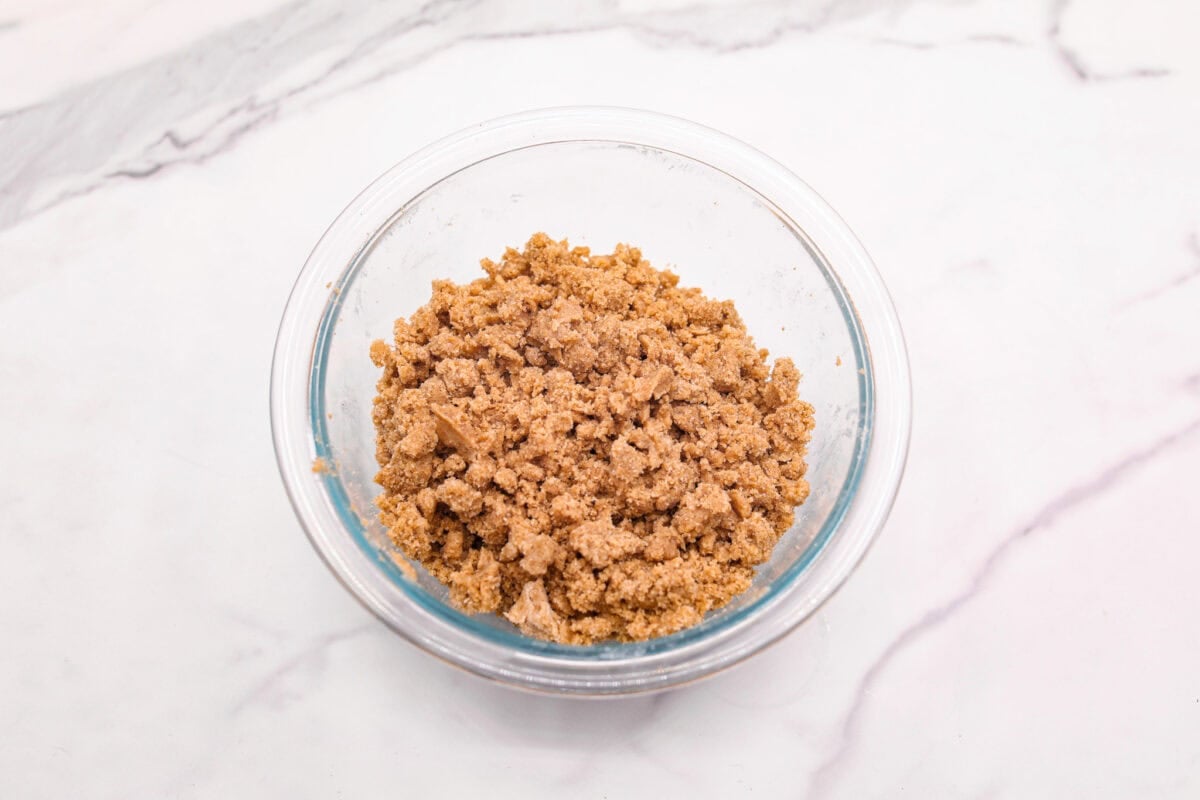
724, 217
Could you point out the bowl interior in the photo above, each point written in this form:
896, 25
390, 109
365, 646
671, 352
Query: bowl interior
714, 231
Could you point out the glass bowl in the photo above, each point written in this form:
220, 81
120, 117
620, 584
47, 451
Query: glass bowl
721, 215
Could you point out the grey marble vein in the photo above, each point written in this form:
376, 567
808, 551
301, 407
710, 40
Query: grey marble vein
196, 103
1076, 64
928, 622
126, 125
1001, 39
312, 655
1183, 278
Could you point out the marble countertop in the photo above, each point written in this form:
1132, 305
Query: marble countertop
1026, 176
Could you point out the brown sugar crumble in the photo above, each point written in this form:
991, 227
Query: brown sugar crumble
583, 446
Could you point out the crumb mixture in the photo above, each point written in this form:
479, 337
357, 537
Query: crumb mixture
579, 444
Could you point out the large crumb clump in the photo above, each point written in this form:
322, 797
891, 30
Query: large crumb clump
581, 445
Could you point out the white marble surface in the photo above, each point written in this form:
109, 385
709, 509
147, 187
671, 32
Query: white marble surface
1027, 177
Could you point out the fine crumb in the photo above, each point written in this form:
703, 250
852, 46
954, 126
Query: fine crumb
579, 444
402, 564
838, 362
321, 466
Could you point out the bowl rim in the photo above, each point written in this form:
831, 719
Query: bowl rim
297, 412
